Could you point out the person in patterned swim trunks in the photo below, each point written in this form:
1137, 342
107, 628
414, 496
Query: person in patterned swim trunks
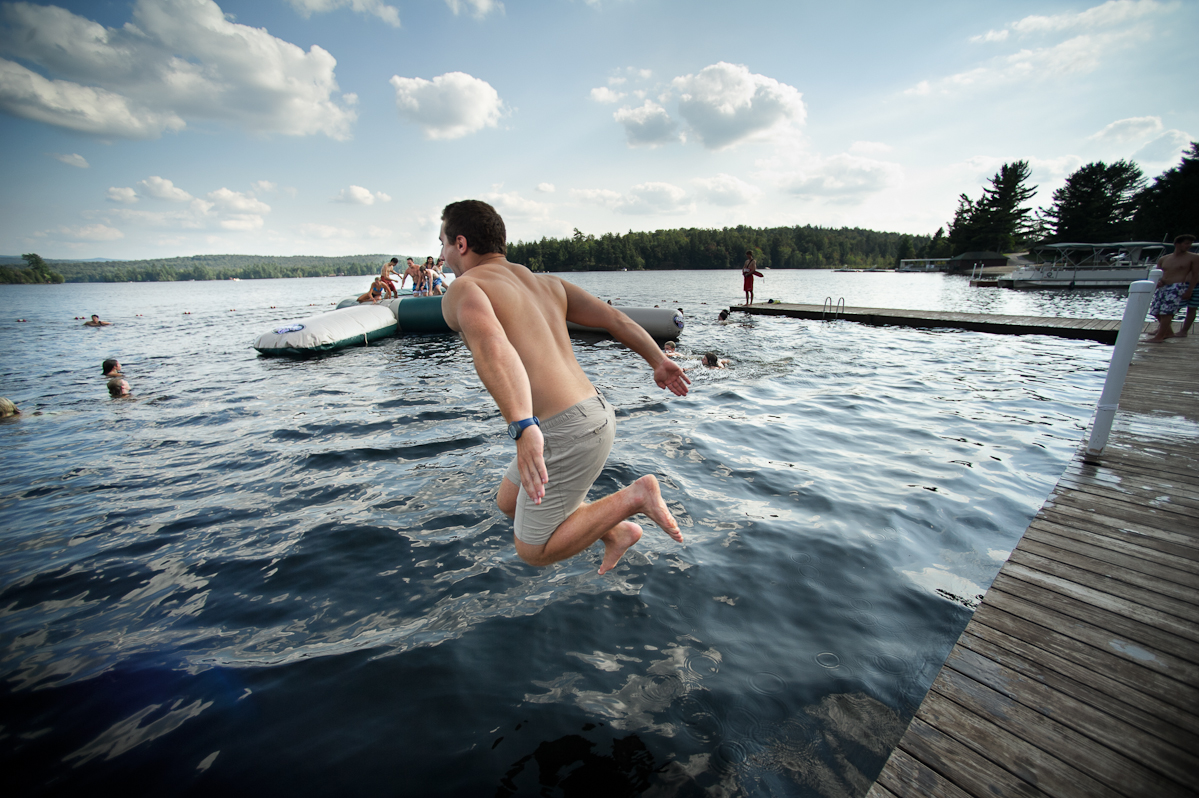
1180, 273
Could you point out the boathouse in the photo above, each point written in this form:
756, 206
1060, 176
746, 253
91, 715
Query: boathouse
968, 261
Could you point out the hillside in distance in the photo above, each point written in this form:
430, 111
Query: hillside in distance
217, 267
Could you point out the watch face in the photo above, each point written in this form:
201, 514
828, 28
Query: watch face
517, 427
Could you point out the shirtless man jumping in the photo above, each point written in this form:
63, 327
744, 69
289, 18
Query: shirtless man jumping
514, 323
1180, 273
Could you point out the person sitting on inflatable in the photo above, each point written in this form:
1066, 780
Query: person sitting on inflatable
375, 293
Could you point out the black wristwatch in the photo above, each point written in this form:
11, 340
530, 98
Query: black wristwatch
516, 428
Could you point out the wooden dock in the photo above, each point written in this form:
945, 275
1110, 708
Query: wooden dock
1079, 673
1102, 330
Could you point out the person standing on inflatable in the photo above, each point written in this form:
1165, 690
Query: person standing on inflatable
514, 323
748, 271
386, 274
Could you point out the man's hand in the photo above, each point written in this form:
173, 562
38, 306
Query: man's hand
669, 375
533, 476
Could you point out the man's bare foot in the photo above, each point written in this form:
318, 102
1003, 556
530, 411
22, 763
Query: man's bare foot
650, 502
620, 539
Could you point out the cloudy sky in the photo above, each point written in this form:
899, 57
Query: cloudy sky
157, 128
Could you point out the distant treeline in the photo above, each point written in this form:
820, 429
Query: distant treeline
36, 271
205, 267
694, 248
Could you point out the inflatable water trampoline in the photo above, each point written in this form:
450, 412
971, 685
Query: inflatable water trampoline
353, 324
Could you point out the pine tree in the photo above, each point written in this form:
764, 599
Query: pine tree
1097, 204
1170, 207
999, 221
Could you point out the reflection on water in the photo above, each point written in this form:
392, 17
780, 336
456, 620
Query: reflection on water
265, 570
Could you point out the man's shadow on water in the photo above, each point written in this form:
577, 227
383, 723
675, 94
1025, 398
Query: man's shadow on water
568, 766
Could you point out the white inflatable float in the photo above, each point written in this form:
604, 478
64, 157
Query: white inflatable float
357, 325
352, 324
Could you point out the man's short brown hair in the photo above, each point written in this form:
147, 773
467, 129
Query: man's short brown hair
478, 223
1185, 237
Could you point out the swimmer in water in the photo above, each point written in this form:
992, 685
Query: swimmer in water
670, 349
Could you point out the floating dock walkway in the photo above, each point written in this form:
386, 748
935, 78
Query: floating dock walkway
1101, 330
1078, 675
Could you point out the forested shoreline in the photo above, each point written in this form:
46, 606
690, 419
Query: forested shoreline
198, 267
693, 248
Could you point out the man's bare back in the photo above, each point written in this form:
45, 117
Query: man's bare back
532, 309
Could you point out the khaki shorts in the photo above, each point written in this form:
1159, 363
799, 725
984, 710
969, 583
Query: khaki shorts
577, 444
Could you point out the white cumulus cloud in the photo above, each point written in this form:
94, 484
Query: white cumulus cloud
477, 8
125, 196
649, 125
605, 95
243, 222
161, 188
450, 106
1125, 130
374, 8
236, 202
265, 186
726, 104
357, 195
546, 188
511, 205
177, 60
726, 190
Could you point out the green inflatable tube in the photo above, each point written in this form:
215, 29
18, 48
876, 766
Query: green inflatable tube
421, 314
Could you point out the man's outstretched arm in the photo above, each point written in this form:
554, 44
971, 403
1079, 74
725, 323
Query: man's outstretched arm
590, 311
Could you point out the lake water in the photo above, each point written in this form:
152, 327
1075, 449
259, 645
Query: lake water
277, 576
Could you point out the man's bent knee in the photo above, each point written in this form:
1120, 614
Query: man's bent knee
506, 498
533, 555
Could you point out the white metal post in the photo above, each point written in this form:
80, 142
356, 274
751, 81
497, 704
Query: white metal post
1140, 294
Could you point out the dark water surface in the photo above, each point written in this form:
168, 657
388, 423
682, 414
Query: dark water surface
268, 576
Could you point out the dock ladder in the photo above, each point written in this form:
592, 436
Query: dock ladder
829, 307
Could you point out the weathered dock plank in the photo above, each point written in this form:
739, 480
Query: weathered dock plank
1101, 330
1079, 673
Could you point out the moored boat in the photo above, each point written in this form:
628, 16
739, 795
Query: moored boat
1077, 265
